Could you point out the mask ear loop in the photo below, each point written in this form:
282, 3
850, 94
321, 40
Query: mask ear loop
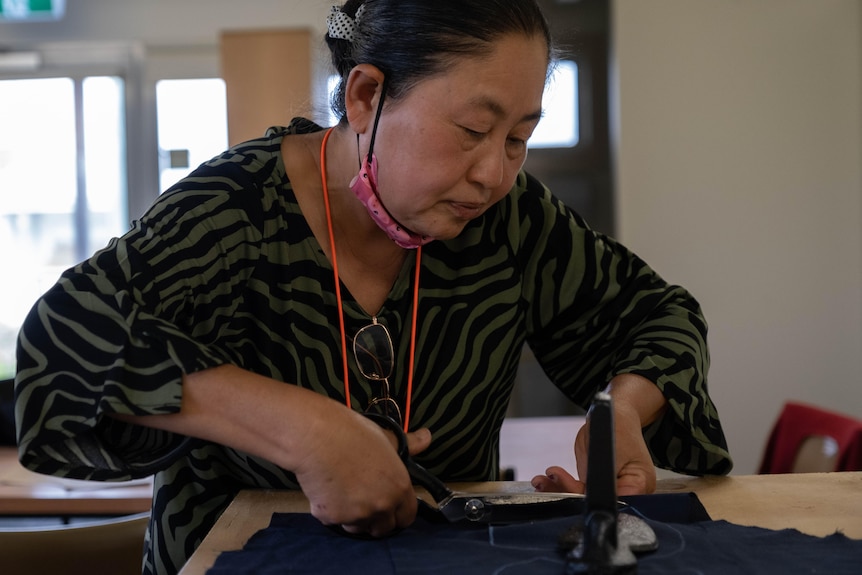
376, 119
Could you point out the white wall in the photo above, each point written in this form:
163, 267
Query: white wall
738, 149
165, 22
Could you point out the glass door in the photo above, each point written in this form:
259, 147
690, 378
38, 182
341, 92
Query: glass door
62, 185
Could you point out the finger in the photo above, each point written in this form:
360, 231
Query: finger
355, 528
405, 514
542, 483
545, 484
581, 450
384, 523
383, 526
378, 527
625, 486
634, 480
418, 441
557, 479
565, 480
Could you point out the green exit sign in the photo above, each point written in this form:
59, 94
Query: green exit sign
32, 9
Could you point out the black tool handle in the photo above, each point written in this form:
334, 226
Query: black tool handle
421, 476
601, 482
438, 490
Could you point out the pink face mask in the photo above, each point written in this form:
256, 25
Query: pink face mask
364, 185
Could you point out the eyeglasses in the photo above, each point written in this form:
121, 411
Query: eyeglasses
372, 348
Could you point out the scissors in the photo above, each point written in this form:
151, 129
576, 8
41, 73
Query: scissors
461, 507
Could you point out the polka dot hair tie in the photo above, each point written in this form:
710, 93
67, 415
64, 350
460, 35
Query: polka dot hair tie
341, 25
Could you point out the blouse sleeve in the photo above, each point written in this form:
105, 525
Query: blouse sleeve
117, 332
597, 310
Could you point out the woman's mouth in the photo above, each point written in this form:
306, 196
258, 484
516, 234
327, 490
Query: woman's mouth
466, 210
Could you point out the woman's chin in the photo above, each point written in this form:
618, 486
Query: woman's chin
450, 231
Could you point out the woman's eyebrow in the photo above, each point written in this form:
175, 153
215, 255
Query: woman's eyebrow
495, 108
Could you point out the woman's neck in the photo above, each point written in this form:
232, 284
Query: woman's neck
351, 221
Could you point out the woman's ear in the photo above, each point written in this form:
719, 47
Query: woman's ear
363, 91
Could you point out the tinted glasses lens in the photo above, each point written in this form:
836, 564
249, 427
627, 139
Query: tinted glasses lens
372, 347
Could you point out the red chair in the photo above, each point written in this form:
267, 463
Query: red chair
811, 439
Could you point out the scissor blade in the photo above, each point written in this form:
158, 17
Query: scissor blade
511, 507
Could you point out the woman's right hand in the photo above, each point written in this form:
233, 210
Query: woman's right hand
353, 475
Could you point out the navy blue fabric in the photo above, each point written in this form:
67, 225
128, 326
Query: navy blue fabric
668, 507
298, 543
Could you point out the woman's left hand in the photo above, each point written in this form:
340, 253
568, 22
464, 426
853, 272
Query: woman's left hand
635, 405
635, 471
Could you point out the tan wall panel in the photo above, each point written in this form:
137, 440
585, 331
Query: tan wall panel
268, 78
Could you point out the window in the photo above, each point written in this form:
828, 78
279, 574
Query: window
559, 127
62, 185
192, 124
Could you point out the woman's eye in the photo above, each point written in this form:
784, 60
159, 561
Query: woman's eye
517, 144
473, 133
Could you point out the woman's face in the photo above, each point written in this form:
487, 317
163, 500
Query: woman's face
453, 145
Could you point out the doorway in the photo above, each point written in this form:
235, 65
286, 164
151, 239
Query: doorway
579, 174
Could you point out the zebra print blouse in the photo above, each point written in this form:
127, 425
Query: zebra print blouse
224, 269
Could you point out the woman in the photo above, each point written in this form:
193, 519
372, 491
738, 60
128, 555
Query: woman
297, 258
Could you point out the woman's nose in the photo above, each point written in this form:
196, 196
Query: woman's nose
489, 168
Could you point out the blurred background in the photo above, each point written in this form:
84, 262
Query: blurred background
721, 140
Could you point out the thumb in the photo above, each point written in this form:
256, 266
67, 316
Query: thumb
581, 451
418, 441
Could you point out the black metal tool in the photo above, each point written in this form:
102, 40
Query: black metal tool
604, 541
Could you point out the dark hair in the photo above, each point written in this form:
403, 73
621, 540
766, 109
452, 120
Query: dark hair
410, 40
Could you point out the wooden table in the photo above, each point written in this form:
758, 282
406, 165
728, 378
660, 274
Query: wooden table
23, 492
814, 503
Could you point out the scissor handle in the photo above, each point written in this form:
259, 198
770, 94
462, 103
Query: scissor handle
436, 488
421, 476
390, 424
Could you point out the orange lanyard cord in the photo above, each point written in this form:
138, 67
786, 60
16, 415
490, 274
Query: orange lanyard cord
339, 300
413, 338
334, 265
